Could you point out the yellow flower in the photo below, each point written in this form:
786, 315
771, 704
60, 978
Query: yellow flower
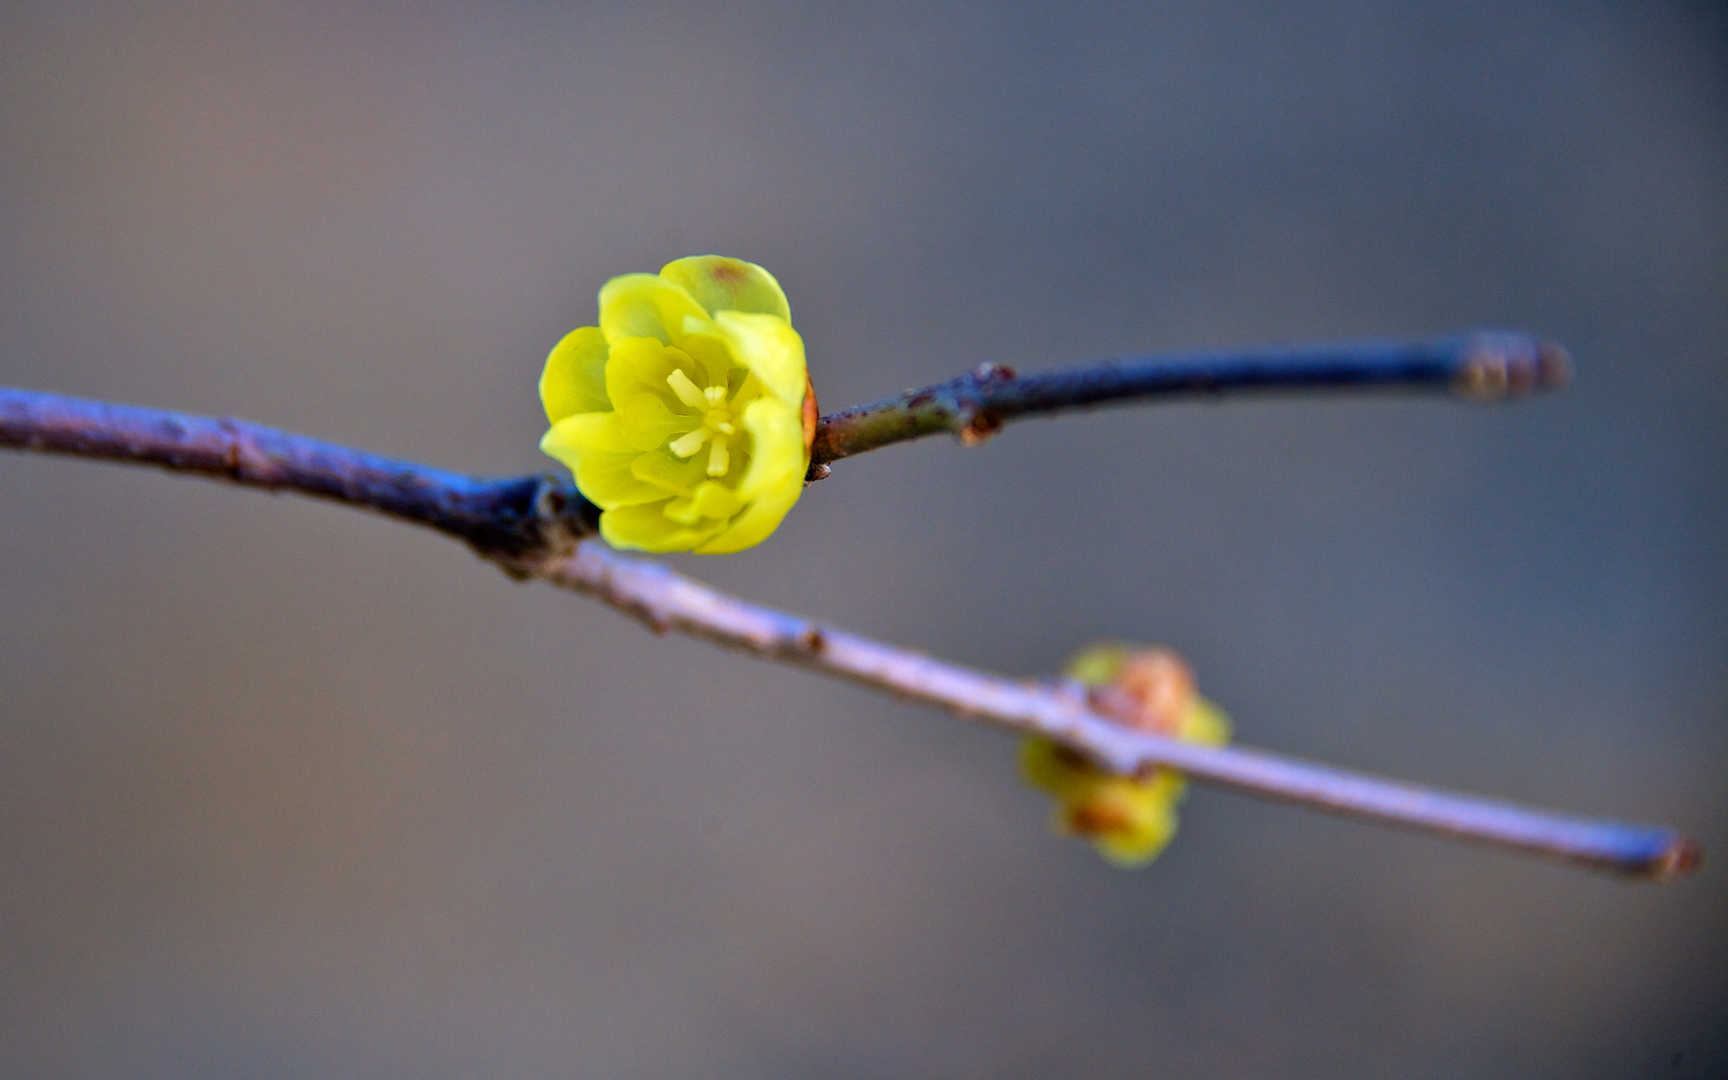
687, 414
1128, 819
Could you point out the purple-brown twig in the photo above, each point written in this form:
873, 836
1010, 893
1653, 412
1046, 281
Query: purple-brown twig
534, 527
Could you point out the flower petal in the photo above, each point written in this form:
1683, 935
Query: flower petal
711, 504
715, 500
1097, 665
675, 476
770, 348
773, 479
713, 352
640, 366
584, 433
1205, 723
608, 482
1047, 766
589, 443
646, 305
647, 423
722, 284
754, 525
777, 457
647, 528
1152, 825
575, 377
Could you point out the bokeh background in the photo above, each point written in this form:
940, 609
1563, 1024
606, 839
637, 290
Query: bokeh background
287, 790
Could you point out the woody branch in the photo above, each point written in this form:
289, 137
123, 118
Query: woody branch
532, 527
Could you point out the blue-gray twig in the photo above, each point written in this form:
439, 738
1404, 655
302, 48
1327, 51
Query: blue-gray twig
534, 527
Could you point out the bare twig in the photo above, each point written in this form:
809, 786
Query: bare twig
665, 600
1485, 364
531, 527
495, 514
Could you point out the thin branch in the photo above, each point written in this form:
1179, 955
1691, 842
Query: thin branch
495, 514
665, 600
1485, 364
531, 527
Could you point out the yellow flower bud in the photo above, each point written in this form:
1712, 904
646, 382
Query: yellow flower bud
687, 414
1128, 819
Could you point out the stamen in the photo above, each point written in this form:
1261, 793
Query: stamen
688, 392
718, 458
725, 427
687, 444
714, 394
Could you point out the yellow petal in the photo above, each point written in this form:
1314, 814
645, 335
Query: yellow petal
647, 305
575, 377
776, 447
682, 511
608, 482
1097, 665
770, 349
647, 424
1052, 769
722, 284
715, 500
640, 366
1141, 843
712, 503
647, 528
1163, 785
754, 525
677, 477
589, 444
712, 352
584, 433
773, 479
1205, 723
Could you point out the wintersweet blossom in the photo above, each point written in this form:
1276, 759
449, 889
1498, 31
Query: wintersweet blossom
1128, 819
687, 414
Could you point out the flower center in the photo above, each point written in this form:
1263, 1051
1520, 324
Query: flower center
715, 422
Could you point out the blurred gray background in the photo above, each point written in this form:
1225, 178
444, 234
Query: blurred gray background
287, 790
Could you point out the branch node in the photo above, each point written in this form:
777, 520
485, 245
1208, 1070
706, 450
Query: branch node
813, 640
558, 518
977, 425
240, 461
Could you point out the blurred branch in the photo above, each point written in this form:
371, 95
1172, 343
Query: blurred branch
665, 600
1485, 364
532, 527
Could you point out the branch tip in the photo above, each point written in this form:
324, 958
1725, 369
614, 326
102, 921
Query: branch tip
1505, 365
1682, 857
